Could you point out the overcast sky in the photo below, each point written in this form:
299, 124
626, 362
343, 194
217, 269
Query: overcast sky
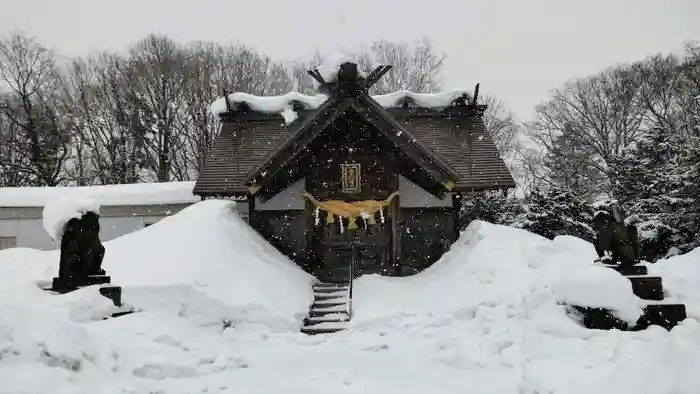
518, 49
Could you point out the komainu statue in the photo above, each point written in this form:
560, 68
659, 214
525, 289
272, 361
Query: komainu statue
82, 253
613, 236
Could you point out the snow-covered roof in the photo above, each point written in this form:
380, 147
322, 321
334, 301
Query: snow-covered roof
283, 104
329, 71
104, 195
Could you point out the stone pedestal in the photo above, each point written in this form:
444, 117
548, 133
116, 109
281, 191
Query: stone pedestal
114, 293
656, 312
65, 285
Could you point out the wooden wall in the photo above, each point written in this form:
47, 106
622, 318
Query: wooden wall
350, 140
426, 233
419, 229
285, 230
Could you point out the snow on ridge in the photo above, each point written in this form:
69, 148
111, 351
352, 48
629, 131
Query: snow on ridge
424, 100
104, 195
269, 104
283, 104
329, 69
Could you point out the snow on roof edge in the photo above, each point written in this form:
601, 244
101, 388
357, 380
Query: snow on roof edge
104, 195
283, 104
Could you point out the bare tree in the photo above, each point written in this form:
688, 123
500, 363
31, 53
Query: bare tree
108, 132
600, 116
417, 66
40, 139
158, 78
11, 159
213, 69
499, 122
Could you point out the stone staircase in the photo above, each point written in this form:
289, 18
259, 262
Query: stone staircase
330, 311
649, 288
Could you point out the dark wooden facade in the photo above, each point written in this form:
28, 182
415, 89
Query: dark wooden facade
442, 152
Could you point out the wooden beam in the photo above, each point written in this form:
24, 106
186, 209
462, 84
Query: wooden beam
395, 214
228, 103
311, 259
476, 93
449, 185
376, 75
252, 189
457, 207
317, 76
252, 216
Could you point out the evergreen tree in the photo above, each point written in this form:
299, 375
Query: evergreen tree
556, 212
653, 186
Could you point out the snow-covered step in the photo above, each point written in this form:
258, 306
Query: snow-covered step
330, 309
331, 317
331, 300
339, 308
331, 289
324, 328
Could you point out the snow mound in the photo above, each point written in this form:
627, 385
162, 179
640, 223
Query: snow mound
221, 312
523, 275
209, 247
205, 254
64, 208
105, 195
681, 276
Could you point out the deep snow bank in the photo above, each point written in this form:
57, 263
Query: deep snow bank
681, 276
205, 259
501, 267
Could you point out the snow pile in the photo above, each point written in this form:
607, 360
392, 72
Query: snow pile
527, 276
681, 276
204, 264
64, 208
104, 195
208, 247
222, 310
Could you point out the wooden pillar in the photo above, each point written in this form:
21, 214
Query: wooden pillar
311, 258
395, 215
252, 216
456, 207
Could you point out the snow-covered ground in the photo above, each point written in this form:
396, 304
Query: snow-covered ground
487, 318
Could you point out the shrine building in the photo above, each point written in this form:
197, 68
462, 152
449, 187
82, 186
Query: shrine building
345, 183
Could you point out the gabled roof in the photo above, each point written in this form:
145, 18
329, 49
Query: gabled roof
450, 141
311, 127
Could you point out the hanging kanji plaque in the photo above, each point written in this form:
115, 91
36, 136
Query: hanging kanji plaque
350, 177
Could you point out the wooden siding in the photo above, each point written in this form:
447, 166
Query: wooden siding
426, 234
286, 231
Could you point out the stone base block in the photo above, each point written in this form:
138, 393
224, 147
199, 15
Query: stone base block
664, 315
65, 285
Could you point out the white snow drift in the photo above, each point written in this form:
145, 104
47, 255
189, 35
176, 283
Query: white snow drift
488, 318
